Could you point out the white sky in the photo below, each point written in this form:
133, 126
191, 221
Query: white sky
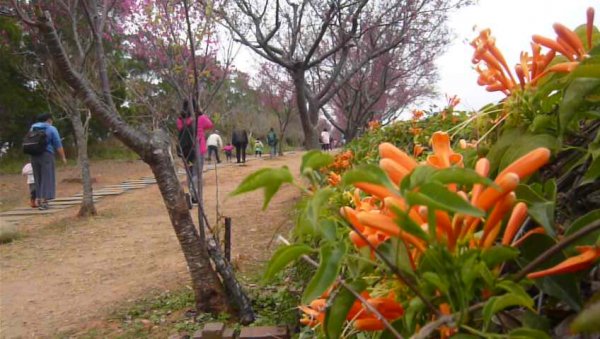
512, 22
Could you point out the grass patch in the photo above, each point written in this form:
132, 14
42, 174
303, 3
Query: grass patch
171, 312
15, 159
13, 162
9, 234
110, 149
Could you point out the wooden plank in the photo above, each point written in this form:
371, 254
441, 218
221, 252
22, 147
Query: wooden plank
77, 199
68, 203
53, 206
31, 212
100, 194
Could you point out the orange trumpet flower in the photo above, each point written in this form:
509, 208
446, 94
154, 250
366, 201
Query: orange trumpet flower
589, 254
443, 156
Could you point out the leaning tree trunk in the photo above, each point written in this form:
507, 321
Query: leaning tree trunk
87, 207
209, 291
153, 148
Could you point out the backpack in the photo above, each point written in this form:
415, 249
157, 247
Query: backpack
271, 138
186, 142
35, 141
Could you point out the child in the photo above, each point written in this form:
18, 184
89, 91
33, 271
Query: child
258, 148
28, 171
228, 151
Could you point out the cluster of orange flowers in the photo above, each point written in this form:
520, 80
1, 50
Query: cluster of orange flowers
359, 314
374, 125
416, 131
341, 162
495, 74
374, 215
451, 103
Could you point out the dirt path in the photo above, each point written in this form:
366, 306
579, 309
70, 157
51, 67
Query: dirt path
69, 272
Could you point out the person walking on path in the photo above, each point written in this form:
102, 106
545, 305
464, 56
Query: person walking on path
28, 171
214, 143
194, 154
325, 139
185, 129
272, 142
239, 139
228, 149
258, 148
44, 172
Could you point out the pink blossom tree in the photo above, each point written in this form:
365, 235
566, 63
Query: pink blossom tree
382, 88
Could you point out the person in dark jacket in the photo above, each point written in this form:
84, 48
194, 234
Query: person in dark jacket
43, 164
239, 139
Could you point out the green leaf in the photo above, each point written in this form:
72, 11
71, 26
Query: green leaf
587, 320
329, 268
315, 160
282, 257
527, 333
580, 223
397, 253
436, 196
457, 175
436, 281
328, 229
315, 205
270, 179
407, 224
499, 254
504, 142
539, 208
415, 307
563, 287
420, 175
499, 303
535, 321
512, 287
465, 336
593, 172
366, 173
525, 144
574, 100
335, 315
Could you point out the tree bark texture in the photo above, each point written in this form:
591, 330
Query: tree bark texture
306, 112
209, 291
87, 207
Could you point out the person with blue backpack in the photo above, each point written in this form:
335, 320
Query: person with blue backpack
42, 142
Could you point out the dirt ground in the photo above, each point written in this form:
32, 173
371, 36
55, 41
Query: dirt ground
67, 273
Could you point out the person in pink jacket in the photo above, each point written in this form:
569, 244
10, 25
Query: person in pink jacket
203, 123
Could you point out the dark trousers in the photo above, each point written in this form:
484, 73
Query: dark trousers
32, 191
215, 150
240, 152
45, 177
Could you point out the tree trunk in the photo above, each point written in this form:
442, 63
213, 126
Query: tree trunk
208, 289
87, 204
311, 139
